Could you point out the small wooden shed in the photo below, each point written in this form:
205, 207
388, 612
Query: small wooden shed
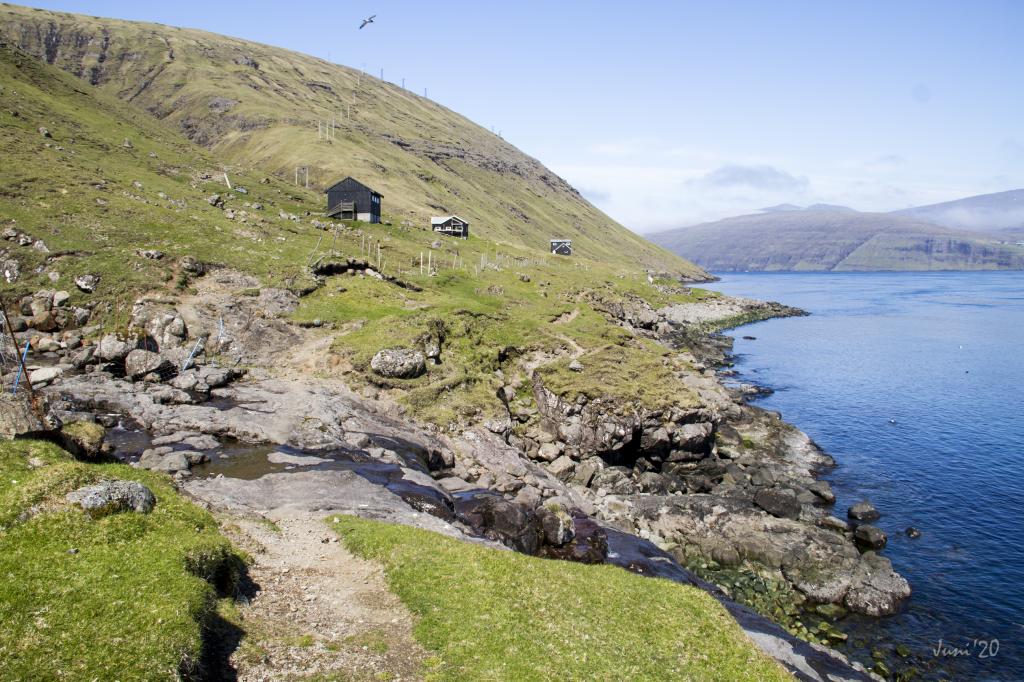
450, 225
561, 247
350, 199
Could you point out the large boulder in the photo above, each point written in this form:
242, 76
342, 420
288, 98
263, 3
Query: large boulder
870, 537
139, 363
44, 376
44, 321
556, 523
83, 439
863, 511
693, 437
110, 497
165, 459
19, 419
87, 283
876, 589
399, 363
113, 349
512, 524
160, 323
778, 503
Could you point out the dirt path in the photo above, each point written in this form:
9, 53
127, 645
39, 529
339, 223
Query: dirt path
318, 611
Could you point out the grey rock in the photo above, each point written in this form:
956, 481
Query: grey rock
562, 468
112, 349
863, 511
398, 363
778, 503
870, 537
170, 462
455, 485
876, 590
216, 377
557, 524
823, 491
87, 283
191, 265
138, 363
111, 497
185, 381
44, 376
161, 324
692, 437
548, 452
11, 270
60, 298
297, 460
19, 419
83, 357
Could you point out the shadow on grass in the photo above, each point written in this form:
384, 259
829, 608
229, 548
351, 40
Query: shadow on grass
221, 636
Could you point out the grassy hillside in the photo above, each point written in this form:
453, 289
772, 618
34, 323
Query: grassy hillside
828, 240
69, 179
258, 105
97, 205
494, 615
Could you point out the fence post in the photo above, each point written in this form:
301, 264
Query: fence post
191, 355
21, 356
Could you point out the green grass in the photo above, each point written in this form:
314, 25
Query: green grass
493, 316
497, 615
121, 597
424, 158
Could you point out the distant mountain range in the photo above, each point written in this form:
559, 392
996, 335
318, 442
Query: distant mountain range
983, 232
985, 212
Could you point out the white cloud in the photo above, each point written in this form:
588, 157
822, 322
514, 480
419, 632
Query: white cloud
761, 177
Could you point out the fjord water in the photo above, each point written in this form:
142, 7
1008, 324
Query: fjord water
915, 384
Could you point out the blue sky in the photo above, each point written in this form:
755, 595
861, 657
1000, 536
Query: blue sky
670, 113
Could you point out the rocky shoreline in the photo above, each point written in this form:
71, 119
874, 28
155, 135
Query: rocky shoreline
722, 488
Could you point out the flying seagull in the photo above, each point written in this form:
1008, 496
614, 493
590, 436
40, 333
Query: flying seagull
367, 21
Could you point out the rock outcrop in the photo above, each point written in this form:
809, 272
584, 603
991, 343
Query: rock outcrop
111, 497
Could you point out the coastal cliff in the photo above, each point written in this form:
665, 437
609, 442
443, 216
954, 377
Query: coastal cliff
277, 366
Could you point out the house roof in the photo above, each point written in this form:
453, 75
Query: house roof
440, 220
351, 183
561, 241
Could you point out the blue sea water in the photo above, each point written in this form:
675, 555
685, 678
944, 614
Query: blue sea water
915, 384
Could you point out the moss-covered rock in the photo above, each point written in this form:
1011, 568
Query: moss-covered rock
84, 440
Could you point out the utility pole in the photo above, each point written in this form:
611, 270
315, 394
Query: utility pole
403, 84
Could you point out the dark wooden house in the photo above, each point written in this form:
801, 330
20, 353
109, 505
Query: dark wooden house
561, 247
451, 225
352, 200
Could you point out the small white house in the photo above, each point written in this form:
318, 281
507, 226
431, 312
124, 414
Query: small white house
561, 247
450, 225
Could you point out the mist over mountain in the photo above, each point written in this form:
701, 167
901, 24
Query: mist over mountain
985, 212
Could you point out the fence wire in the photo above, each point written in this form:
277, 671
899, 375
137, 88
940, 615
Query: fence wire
13, 361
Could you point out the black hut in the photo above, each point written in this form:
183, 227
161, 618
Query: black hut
352, 200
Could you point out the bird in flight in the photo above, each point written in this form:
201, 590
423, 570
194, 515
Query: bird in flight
367, 21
